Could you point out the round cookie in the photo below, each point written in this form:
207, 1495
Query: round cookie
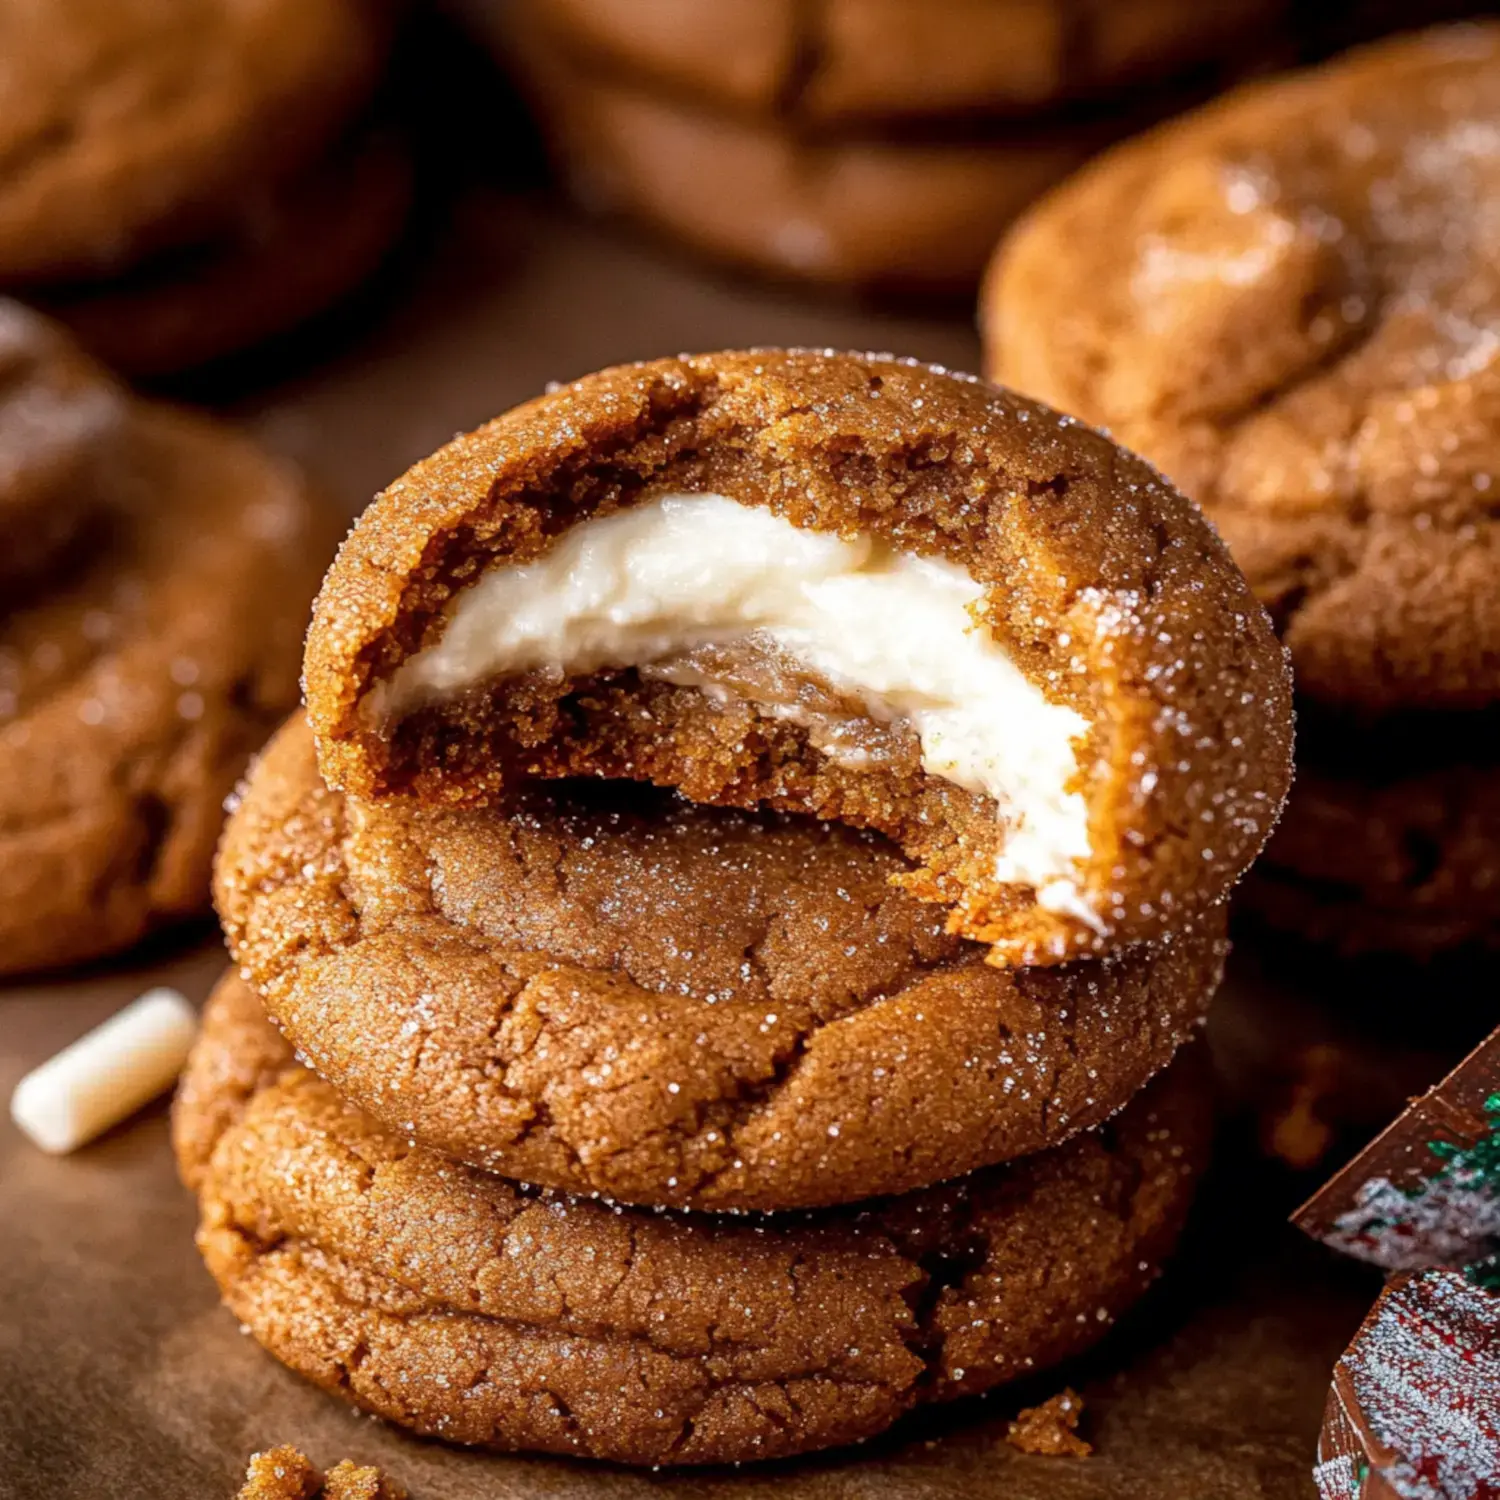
130, 126
60, 423
608, 990
453, 1302
133, 691
903, 216
873, 61
843, 585
308, 247
1285, 300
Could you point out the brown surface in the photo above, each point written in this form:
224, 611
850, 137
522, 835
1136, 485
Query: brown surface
617, 992
116, 1362
1101, 583
1284, 301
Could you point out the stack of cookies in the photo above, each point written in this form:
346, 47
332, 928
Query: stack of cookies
179, 182
1290, 301
754, 851
155, 574
867, 143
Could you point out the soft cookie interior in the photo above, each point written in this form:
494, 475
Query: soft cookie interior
880, 660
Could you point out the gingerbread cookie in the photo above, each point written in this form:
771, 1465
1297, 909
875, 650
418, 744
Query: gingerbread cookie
455, 1303
132, 126
856, 588
1284, 301
134, 686
612, 991
885, 214
60, 422
837, 62
307, 247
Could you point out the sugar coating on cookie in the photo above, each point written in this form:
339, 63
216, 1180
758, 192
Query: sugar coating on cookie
849, 586
1288, 301
604, 988
456, 1303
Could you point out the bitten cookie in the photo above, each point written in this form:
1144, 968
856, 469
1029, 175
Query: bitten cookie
873, 61
1285, 301
136, 676
60, 422
130, 126
842, 585
612, 991
457, 1304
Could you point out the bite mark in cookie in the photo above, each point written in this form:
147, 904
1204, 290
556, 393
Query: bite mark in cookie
864, 646
1092, 656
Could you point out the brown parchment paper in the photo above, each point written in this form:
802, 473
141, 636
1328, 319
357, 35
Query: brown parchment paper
121, 1377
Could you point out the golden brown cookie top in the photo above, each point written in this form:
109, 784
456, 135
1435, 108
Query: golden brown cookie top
60, 421
987, 560
129, 123
608, 989
1289, 301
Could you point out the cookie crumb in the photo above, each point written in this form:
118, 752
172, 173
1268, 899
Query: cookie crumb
282, 1473
1295, 1131
1051, 1429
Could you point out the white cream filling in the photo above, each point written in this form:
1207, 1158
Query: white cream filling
898, 633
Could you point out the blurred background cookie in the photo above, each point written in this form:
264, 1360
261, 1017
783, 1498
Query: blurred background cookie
1288, 302
140, 666
863, 143
140, 143
878, 61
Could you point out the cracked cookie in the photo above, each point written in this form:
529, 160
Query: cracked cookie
467, 1308
138, 672
874, 61
60, 422
603, 988
842, 585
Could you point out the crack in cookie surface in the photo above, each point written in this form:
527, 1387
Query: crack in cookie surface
611, 990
